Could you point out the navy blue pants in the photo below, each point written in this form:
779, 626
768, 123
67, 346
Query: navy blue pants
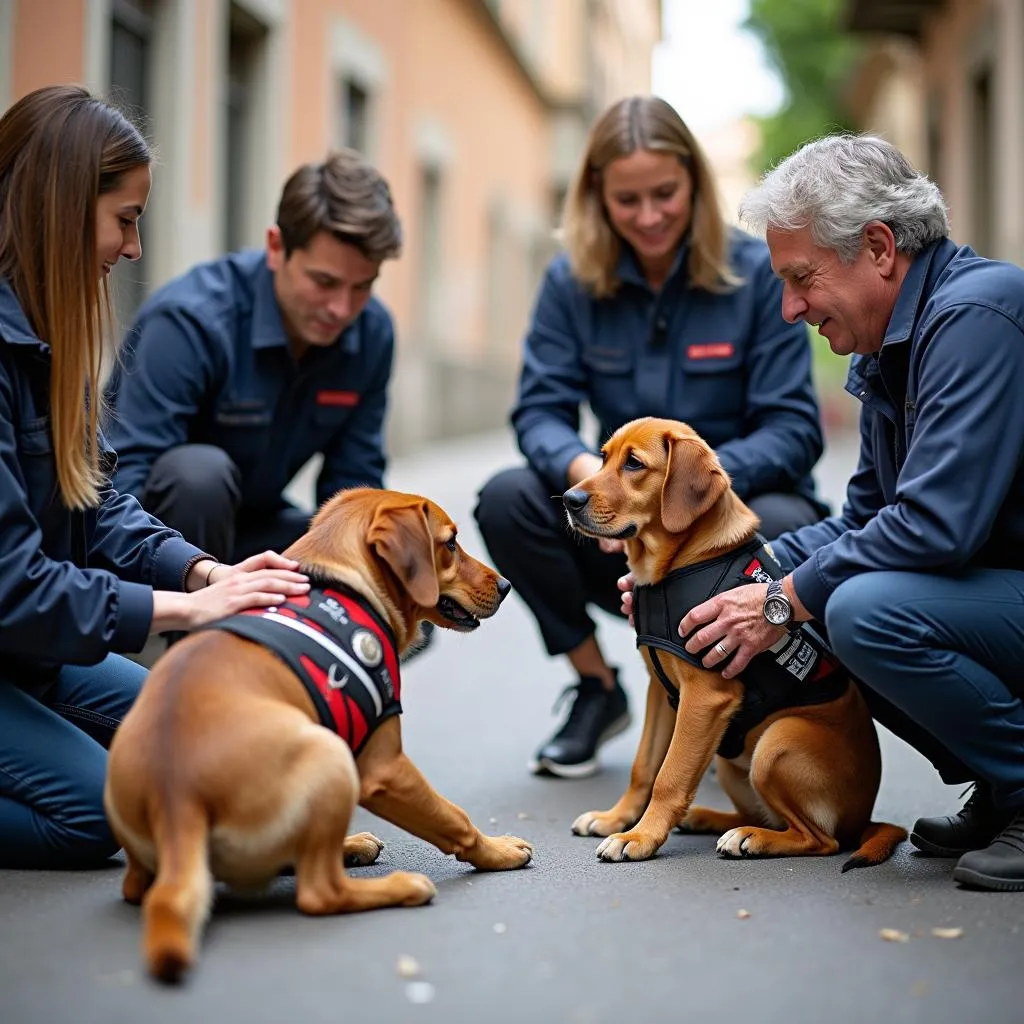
196, 489
53, 763
940, 661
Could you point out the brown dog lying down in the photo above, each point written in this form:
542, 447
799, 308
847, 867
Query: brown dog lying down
804, 779
223, 770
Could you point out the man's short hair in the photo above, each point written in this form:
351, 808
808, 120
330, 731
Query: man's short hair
346, 197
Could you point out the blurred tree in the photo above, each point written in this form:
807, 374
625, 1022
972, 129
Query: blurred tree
813, 54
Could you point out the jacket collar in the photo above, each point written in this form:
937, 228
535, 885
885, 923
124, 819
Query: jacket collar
14, 325
267, 324
864, 375
629, 271
917, 285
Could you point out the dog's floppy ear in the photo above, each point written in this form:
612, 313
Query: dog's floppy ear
401, 537
694, 481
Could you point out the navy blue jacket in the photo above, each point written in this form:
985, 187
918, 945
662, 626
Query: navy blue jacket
940, 483
207, 362
74, 586
728, 365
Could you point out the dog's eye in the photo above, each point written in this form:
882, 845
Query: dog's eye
632, 462
452, 545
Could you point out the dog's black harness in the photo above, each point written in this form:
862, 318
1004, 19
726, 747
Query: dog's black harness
799, 670
340, 648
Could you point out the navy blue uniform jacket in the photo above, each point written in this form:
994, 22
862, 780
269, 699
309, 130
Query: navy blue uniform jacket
207, 362
74, 586
939, 487
728, 365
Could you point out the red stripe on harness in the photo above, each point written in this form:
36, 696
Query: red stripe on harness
343, 708
363, 618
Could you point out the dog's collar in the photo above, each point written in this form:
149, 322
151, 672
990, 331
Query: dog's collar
797, 671
656, 605
342, 651
320, 582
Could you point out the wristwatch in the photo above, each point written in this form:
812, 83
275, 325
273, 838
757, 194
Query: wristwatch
777, 608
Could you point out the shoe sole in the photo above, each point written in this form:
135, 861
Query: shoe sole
976, 880
545, 766
930, 849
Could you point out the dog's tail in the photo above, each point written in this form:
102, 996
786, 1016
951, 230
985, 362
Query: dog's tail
178, 903
877, 843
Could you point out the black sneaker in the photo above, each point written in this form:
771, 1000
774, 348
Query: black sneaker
998, 867
971, 828
596, 715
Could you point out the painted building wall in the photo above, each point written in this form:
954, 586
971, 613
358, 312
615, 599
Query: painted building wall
953, 100
463, 104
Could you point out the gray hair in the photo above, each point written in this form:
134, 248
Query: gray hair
837, 185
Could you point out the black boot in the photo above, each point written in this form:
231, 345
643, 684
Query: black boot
971, 828
597, 714
1000, 866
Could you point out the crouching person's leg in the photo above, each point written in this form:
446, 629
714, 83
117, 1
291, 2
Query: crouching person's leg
196, 490
938, 658
53, 763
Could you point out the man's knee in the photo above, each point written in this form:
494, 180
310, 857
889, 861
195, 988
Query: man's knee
866, 621
194, 473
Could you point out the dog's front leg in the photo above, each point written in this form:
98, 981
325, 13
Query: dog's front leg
707, 702
393, 788
659, 721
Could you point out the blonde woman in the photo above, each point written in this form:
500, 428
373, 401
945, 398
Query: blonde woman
656, 307
84, 572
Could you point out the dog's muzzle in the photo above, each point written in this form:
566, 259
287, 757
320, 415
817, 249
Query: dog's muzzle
454, 612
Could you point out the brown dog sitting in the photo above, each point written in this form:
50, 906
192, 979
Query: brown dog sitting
797, 750
224, 770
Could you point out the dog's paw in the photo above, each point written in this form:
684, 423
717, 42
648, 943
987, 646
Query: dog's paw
632, 845
500, 853
413, 889
739, 842
599, 823
362, 849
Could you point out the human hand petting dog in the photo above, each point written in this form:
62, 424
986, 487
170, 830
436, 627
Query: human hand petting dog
215, 591
734, 623
735, 620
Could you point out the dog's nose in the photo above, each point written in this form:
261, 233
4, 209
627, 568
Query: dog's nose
575, 500
503, 588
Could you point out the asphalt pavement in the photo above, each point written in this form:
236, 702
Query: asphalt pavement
685, 936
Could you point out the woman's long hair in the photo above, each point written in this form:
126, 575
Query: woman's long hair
632, 124
60, 149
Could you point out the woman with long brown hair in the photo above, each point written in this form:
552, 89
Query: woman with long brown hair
84, 572
656, 307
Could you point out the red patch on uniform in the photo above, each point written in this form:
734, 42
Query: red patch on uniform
711, 350
752, 568
337, 398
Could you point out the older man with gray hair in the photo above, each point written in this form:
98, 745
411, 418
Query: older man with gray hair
920, 580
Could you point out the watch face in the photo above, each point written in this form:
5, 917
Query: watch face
777, 611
